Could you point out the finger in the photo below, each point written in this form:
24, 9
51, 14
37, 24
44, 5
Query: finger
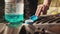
43, 8
38, 11
44, 12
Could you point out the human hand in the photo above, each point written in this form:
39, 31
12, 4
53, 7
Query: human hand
41, 8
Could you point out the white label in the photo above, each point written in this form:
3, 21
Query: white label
9, 0
10, 7
14, 7
20, 8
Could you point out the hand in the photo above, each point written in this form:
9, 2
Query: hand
41, 8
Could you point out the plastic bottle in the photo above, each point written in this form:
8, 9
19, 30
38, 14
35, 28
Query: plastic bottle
14, 11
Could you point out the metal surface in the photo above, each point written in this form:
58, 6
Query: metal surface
50, 24
2, 27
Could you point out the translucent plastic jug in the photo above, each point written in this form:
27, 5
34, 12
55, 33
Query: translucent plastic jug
14, 10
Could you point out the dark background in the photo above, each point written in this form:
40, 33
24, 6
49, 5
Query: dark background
2, 10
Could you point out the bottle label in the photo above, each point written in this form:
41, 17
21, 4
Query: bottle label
10, 7
20, 8
14, 8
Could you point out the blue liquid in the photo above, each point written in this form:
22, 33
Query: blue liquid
12, 18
